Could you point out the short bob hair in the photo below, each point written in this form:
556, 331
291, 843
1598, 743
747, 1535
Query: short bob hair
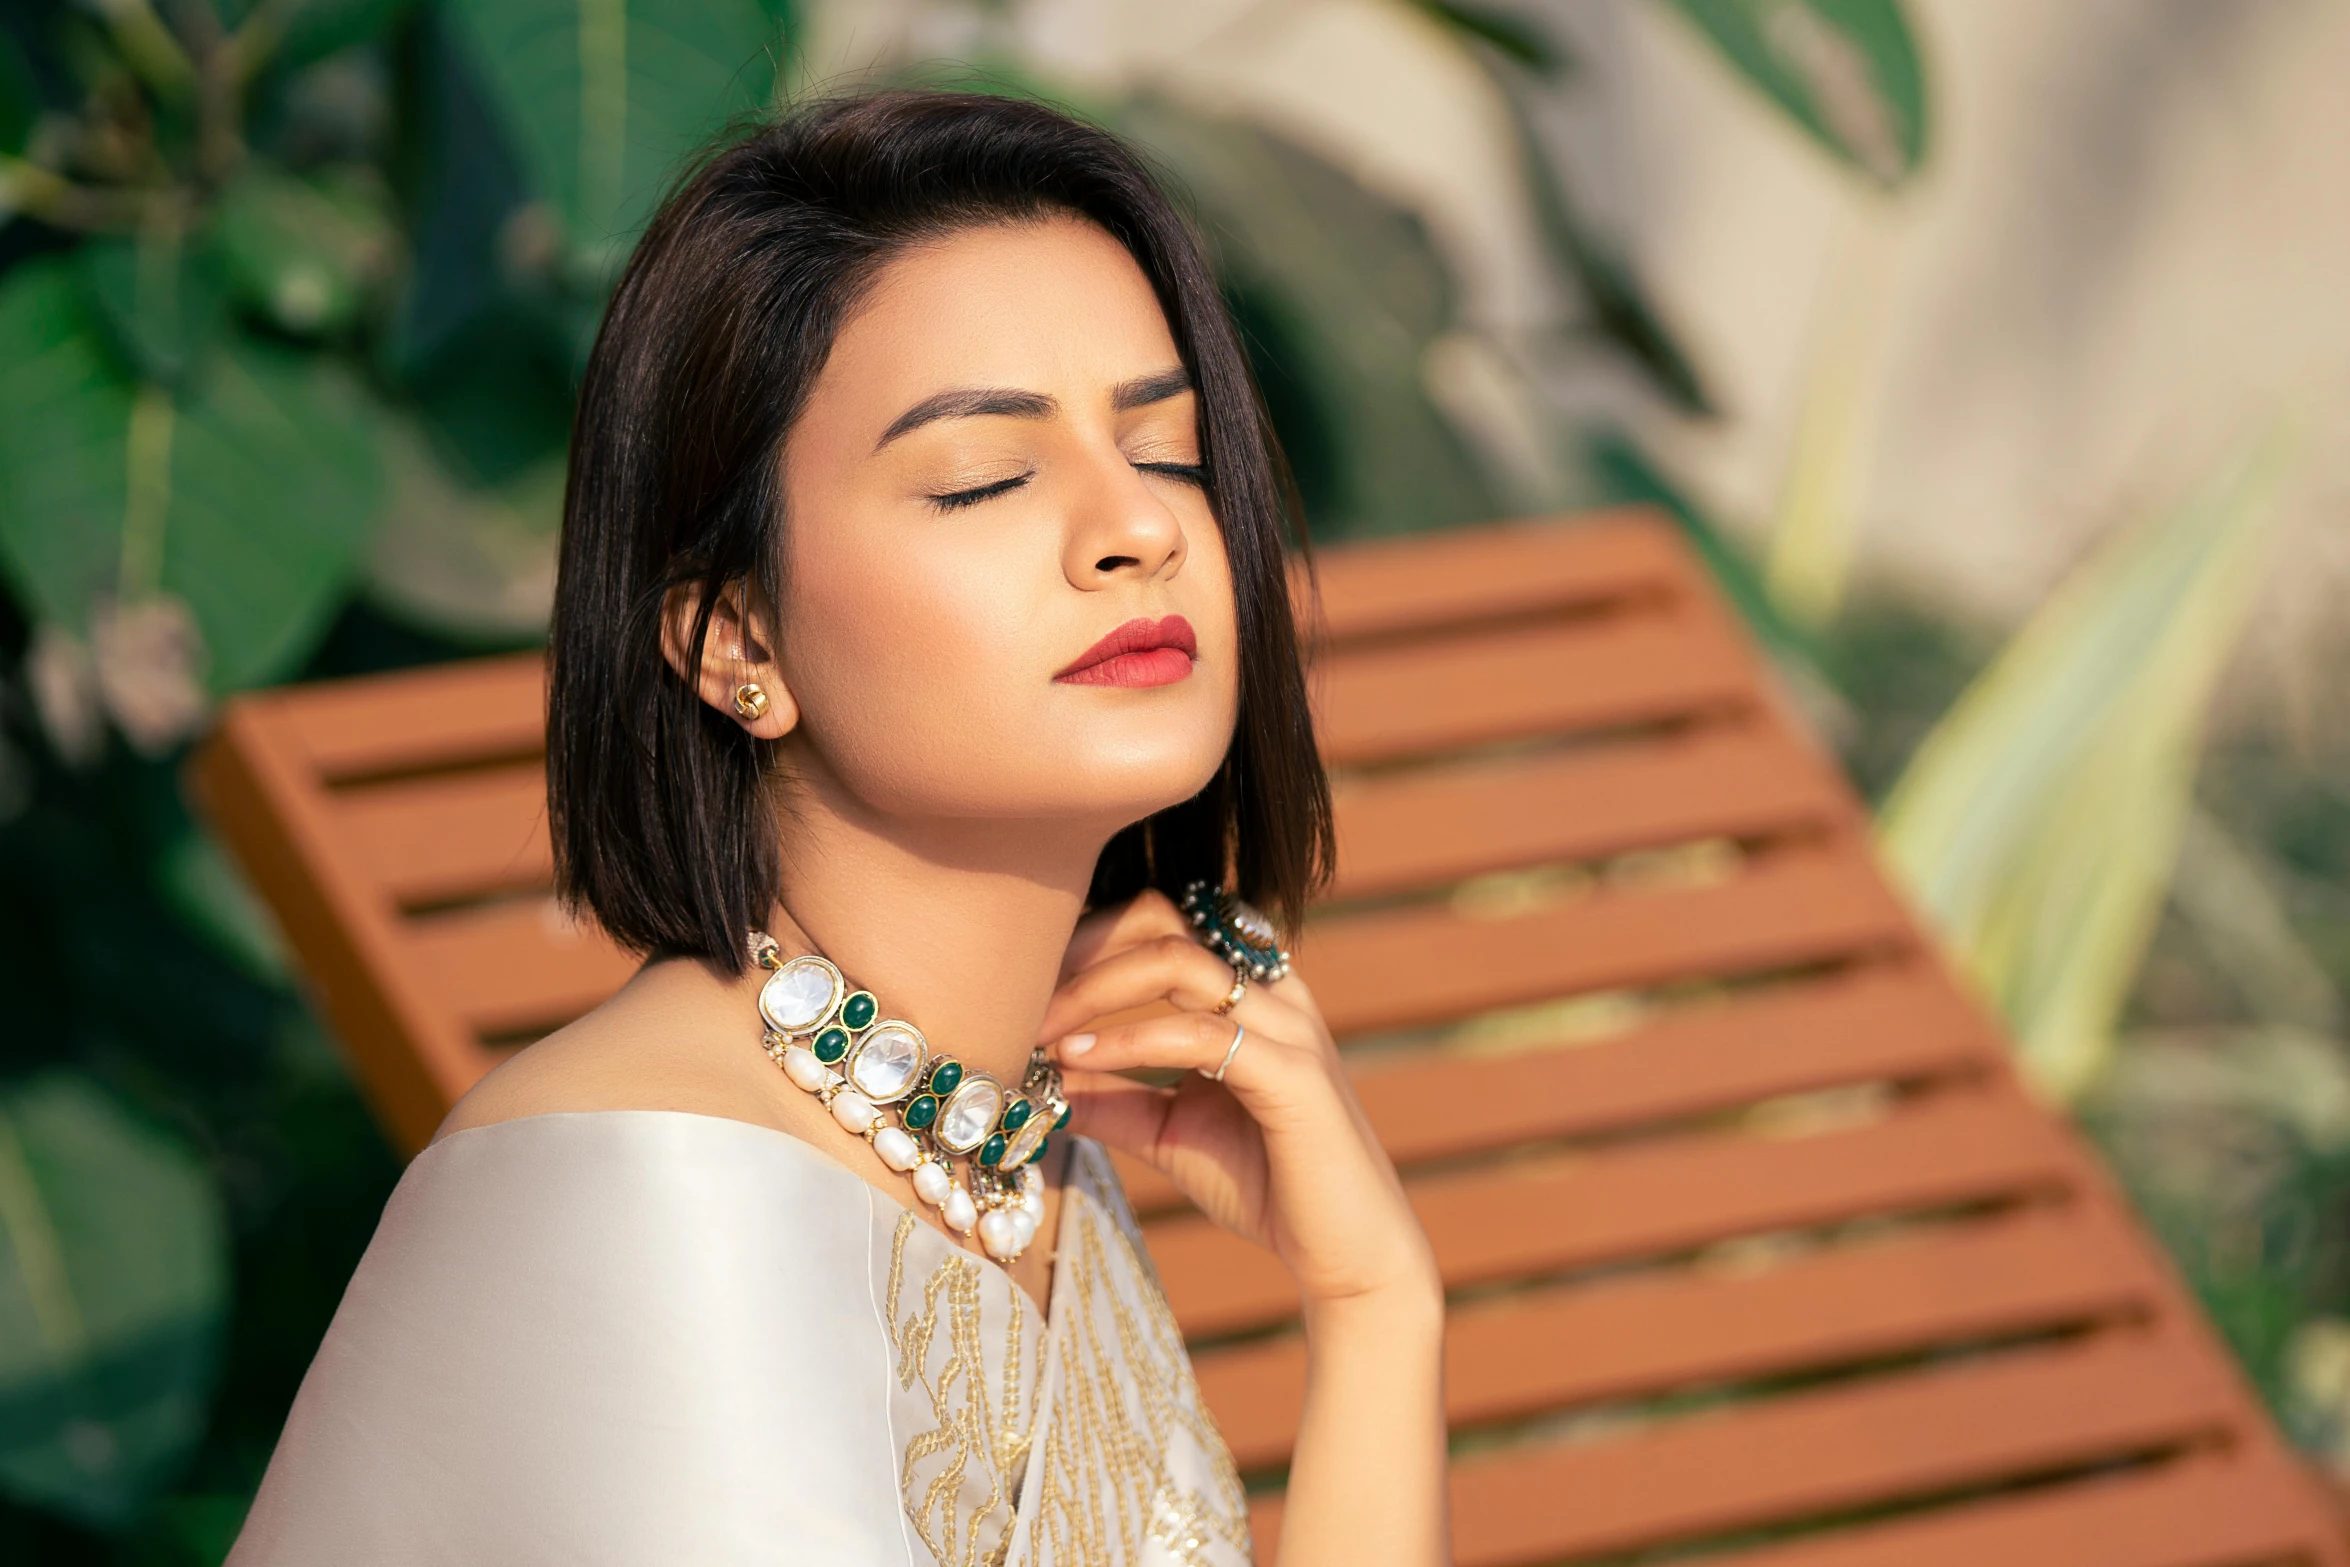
662, 821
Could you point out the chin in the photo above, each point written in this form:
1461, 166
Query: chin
1134, 776
1012, 783
1101, 769
1099, 789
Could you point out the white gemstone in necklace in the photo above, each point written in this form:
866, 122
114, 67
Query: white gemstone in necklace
866, 1070
887, 1062
1034, 1130
800, 994
969, 1113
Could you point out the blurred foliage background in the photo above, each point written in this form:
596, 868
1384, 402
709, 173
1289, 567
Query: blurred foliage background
292, 297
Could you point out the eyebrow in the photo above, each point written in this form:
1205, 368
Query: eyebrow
1145, 390
973, 402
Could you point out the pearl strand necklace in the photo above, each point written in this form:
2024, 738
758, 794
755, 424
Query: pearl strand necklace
831, 1040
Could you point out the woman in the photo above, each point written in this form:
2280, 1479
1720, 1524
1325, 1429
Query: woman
922, 634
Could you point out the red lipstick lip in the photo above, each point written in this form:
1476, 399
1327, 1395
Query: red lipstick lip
1124, 656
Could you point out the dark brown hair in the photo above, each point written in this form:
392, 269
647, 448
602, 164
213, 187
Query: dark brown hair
717, 331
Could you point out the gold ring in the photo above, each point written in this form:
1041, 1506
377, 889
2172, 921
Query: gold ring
1232, 998
1239, 1033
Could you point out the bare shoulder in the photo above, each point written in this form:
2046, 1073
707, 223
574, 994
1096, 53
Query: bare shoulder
662, 1043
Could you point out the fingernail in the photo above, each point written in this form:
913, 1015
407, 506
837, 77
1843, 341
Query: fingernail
1076, 1044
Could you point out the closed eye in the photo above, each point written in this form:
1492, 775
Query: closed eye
956, 499
1188, 472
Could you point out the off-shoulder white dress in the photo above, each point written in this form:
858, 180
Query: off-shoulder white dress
636, 1337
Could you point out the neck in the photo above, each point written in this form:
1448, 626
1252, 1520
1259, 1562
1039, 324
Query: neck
958, 926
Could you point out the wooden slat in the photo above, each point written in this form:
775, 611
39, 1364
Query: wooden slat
449, 715
2208, 1509
1873, 1441
1655, 1199
1899, 1023
1892, 1023
1407, 967
514, 967
2020, 1273
1639, 667
1746, 781
448, 836
259, 788
1405, 585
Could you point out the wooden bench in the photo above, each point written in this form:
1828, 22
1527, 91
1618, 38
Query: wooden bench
1754, 1240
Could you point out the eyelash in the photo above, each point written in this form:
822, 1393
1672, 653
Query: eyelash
956, 500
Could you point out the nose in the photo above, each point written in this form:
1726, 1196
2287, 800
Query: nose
1120, 529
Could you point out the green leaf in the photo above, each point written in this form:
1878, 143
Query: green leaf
1341, 294
303, 253
1847, 71
2039, 822
1515, 36
20, 96
65, 410
207, 889
276, 482
113, 1282
319, 28
159, 300
606, 97
247, 495
497, 402
1619, 308
463, 558
468, 184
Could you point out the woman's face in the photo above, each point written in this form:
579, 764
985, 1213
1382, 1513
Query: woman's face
993, 490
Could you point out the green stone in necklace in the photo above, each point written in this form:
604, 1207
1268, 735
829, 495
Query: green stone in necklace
867, 1069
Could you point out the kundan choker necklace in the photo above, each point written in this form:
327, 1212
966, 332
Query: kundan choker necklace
969, 1144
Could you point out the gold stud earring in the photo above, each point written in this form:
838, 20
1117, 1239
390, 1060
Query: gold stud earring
750, 702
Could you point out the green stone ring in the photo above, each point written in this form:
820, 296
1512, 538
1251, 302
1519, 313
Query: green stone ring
1236, 932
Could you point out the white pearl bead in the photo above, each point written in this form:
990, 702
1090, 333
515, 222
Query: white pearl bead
999, 1232
897, 1148
1032, 1201
959, 1211
1026, 1223
802, 1067
931, 1182
853, 1110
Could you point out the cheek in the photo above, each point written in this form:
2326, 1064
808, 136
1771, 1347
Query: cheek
898, 659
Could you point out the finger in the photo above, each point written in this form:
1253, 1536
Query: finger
1191, 1143
1169, 968
1147, 914
1118, 1111
1200, 1041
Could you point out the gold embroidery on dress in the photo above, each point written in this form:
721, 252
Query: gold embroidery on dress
1127, 1428
977, 1435
1181, 1523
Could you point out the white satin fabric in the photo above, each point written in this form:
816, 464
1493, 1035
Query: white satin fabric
635, 1337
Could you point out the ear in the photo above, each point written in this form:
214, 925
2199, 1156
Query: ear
739, 651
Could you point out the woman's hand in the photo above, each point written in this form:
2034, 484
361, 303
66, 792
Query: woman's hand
1279, 1151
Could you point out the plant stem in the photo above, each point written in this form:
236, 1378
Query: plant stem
45, 194
147, 45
